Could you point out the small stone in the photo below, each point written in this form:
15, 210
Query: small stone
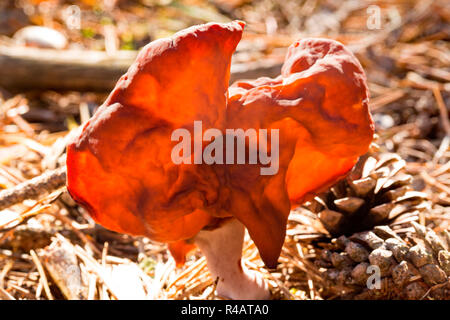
359, 273
444, 261
398, 248
341, 260
368, 238
383, 259
419, 256
41, 37
415, 291
383, 121
402, 273
432, 274
356, 251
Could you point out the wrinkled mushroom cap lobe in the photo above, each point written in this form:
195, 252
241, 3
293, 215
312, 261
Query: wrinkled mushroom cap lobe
320, 105
120, 167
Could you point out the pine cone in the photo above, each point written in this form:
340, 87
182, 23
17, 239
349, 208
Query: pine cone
411, 268
369, 216
376, 192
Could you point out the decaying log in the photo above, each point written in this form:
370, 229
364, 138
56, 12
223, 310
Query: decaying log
33, 68
86, 70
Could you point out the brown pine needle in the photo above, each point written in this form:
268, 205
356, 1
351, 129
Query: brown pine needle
442, 109
41, 271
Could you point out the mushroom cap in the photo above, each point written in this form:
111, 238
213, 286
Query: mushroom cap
120, 166
319, 104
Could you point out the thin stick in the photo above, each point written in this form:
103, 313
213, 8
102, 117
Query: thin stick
33, 188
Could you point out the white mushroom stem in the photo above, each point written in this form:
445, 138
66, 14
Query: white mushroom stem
222, 248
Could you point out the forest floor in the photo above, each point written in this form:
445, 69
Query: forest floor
51, 249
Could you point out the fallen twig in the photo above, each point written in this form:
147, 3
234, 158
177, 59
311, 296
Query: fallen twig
33, 188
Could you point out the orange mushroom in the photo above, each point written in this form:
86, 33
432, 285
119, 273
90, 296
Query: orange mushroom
320, 105
121, 167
